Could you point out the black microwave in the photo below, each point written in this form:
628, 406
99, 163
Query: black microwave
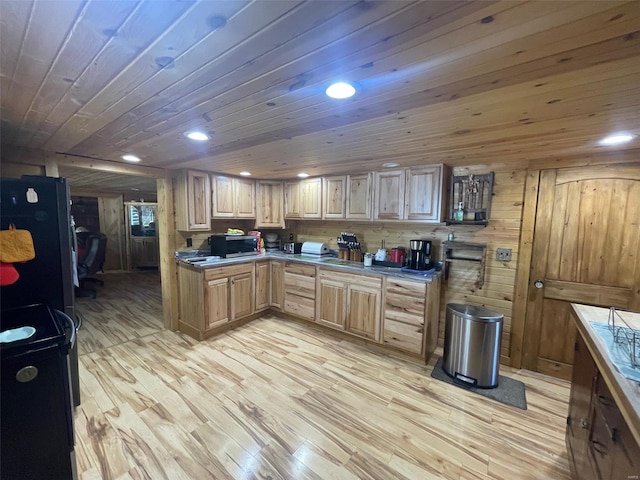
229, 246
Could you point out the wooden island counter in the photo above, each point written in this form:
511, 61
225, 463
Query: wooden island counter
603, 425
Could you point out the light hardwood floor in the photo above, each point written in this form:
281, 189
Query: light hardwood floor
278, 399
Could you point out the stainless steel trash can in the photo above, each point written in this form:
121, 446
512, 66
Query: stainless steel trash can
472, 345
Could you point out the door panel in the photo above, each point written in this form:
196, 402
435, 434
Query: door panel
585, 250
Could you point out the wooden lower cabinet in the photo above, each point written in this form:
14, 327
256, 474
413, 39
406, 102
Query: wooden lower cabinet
217, 298
599, 441
363, 311
263, 285
391, 311
332, 302
349, 302
277, 285
210, 299
404, 315
300, 290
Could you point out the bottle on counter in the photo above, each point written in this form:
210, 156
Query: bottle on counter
458, 215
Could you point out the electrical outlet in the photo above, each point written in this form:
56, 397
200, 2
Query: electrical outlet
189, 242
503, 254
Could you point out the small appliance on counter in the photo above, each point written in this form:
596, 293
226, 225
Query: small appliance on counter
229, 245
315, 248
292, 247
420, 258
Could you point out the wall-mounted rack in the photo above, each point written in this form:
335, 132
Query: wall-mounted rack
475, 193
462, 252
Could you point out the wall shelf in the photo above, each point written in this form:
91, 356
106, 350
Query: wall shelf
475, 193
463, 252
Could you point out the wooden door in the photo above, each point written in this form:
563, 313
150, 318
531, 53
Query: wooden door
241, 296
359, 197
335, 189
363, 312
389, 195
263, 284
332, 303
585, 250
245, 198
423, 197
217, 298
222, 197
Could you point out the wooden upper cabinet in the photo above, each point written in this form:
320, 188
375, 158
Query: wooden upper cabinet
269, 204
245, 196
423, 194
233, 197
358, 204
292, 198
389, 195
222, 196
312, 198
303, 199
335, 190
193, 201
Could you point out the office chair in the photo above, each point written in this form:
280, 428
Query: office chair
90, 261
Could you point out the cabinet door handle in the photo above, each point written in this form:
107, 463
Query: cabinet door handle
584, 423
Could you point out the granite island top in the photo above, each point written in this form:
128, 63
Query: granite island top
323, 261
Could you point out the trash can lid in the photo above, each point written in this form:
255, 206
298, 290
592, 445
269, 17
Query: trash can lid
473, 312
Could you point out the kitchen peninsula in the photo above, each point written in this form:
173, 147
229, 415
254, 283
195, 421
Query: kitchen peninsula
378, 304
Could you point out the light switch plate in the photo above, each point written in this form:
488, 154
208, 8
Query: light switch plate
503, 254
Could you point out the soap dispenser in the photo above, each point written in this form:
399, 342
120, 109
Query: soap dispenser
458, 215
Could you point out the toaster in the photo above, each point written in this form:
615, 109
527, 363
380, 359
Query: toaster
292, 247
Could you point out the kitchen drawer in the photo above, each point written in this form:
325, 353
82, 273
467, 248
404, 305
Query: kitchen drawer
406, 288
299, 285
404, 309
404, 336
300, 269
227, 271
301, 306
364, 281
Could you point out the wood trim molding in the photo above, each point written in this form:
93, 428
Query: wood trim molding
52, 160
167, 245
524, 266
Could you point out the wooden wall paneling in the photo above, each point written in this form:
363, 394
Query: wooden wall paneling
111, 211
166, 227
524, 265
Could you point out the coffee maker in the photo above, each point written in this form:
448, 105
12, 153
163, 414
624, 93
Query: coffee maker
420, 258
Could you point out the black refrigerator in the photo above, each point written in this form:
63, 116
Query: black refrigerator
40, 205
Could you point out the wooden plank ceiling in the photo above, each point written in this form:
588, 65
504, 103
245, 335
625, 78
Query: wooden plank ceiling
455, 82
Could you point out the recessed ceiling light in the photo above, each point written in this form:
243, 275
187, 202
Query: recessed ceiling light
130, 158
135, 189
303, 175
245, 174
195, 135
617, 139
390, 165
340, 90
